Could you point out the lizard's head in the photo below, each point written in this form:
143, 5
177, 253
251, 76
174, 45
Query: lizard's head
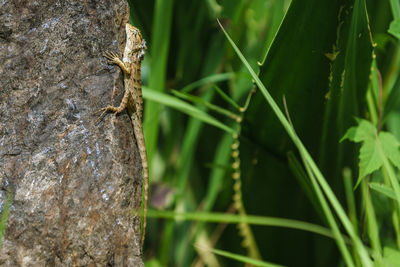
135, 42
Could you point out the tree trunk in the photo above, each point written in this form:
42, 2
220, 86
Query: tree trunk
74, 182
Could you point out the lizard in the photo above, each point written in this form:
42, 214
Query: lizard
130, 64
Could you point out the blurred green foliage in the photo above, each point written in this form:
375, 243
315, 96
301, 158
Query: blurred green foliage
328, 60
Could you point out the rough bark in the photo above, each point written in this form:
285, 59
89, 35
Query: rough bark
74, 182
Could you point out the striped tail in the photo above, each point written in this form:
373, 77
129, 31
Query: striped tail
142, 151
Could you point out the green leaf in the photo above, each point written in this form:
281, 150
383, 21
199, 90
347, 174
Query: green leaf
363, 132
348, 82
395, 6
370, 159
390, 147
383, 189
374, 149
296, 67
391, 257
394, 28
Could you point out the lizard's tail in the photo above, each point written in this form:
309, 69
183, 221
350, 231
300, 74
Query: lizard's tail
146, 192
145, 166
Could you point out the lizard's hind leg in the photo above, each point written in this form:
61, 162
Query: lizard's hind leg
116, 110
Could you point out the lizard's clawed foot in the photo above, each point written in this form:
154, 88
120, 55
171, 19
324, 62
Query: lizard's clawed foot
104, 111
111, 57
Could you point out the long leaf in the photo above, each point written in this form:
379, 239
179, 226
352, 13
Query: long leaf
216, 217
321, 180
184, 107
238, 257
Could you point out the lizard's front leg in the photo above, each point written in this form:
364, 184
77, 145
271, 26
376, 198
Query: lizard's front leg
113, 58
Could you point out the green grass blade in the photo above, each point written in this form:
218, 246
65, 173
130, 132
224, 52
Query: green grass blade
329, 214
393, 99
372, 224
373, 94
216, 217
226, 97
5, 214
277, 14
216, 182
304, 181
158, 68
383, 189
351, 203
239, 258
392, 177
184, 107
199, 100
185, 164
219, 77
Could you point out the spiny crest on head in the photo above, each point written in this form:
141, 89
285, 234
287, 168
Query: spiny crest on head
136, 41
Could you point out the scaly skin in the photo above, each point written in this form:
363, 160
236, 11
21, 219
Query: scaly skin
130, 65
